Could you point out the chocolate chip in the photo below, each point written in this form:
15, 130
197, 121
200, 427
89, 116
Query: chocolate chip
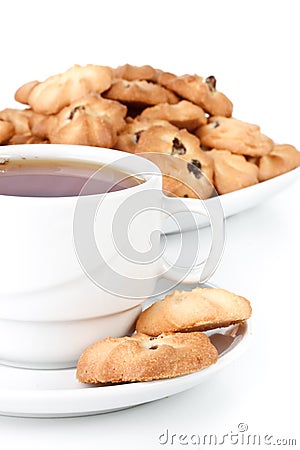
215, 124
152, 339
74, 111
177, 147
196, 163
211, 82
137, 136
192, 168
186, 196
154, 347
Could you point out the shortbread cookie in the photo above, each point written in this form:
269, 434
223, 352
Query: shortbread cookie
282, 158
26, 138
128, 138
140, 92
97, 106
183, 114
90, 120
198, 90
22, 94
144, 358
234, 135
200, 309
83, 130
7, 130
19, 118
35, 121
184, 180
58, 91
232, 172
132, 73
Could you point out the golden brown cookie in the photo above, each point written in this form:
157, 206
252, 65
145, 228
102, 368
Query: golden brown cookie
129, 136
22, 94
144, 358
19, 118
184, 114
185, 146
91, 120
7, 130
200, 309
58, 91
132, 73
140, 92
37, 124
232, 172
234, 135
97, 106
198, 90
282, 158
26, 138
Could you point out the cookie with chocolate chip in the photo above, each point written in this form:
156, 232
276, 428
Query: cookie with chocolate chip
128, 138
91, 120
234, 135
192, 175
198, 90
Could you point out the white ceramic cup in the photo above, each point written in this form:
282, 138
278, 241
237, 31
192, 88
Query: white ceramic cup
77, 269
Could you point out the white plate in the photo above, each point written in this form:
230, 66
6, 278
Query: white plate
57, 393
234, 202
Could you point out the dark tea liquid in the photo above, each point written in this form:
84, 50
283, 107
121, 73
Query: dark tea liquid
60, 178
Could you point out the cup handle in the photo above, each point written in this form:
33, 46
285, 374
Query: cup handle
213, 210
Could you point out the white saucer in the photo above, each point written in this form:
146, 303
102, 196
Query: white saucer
56, 393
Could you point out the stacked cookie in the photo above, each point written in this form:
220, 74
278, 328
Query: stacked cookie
145, 110
169, 339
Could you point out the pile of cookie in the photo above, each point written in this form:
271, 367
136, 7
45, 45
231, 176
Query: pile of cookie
139, 109
169, 340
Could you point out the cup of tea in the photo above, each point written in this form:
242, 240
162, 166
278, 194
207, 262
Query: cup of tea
81, 248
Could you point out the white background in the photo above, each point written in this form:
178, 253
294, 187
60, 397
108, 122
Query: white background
252, 47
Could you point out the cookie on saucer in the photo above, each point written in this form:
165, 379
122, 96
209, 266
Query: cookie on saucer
201, 309
144, 358
198, 90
